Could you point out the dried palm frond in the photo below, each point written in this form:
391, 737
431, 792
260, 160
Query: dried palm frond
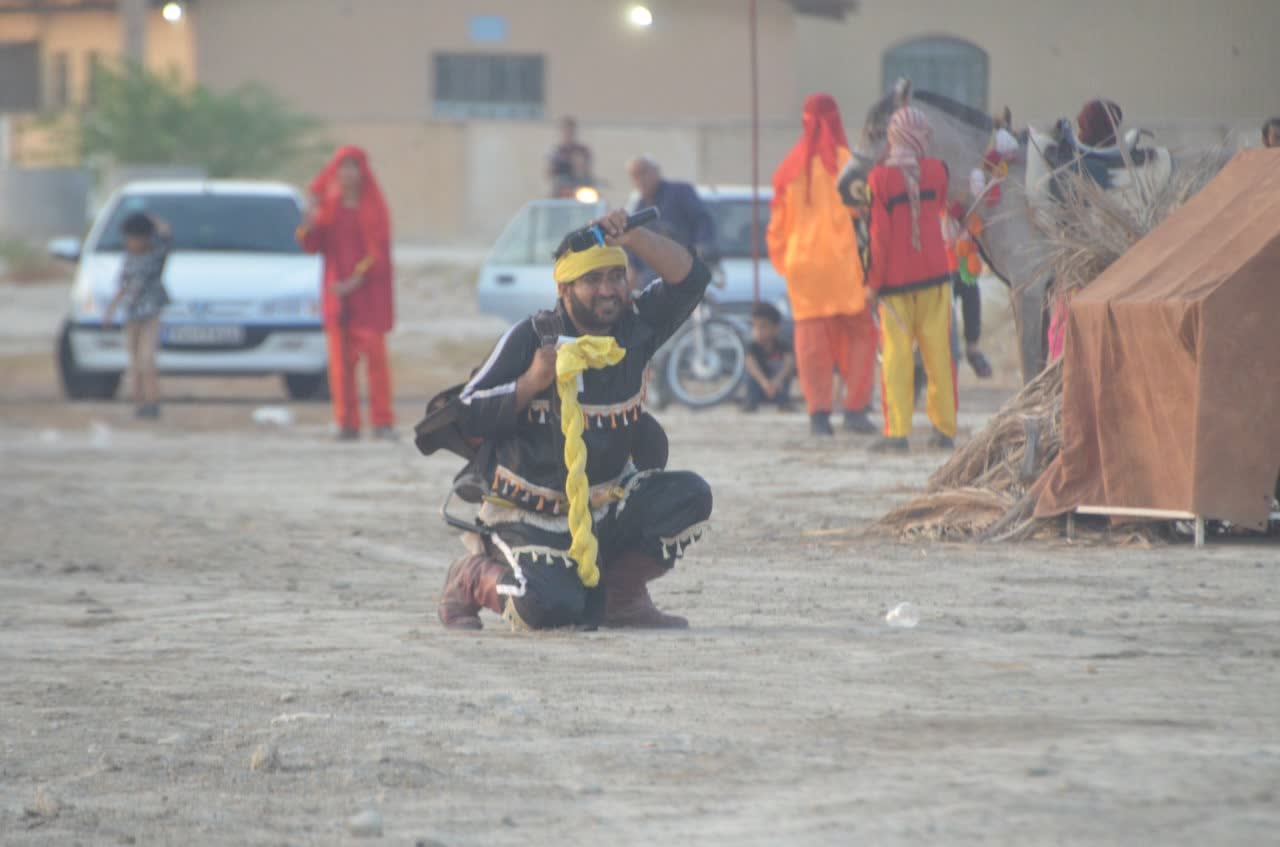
985, 489
1086, 228
954, 514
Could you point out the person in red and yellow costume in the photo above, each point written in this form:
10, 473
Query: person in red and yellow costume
348, 224
813, 244
909, 273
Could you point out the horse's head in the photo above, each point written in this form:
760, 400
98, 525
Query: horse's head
875, 128
870, 146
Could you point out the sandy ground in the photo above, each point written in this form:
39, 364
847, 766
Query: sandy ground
184, 599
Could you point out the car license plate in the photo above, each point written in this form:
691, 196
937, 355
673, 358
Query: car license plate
213, 335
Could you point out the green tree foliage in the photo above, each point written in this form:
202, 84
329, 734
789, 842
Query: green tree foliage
141, 117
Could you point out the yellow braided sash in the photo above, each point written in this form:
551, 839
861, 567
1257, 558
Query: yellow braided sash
572, 358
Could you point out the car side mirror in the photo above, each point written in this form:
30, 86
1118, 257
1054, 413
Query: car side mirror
66, 248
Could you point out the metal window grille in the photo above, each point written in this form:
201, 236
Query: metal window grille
488, 85
60, 81
20, 71
92, 69
947, 66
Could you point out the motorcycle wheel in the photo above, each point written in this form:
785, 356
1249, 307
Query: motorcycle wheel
702, 381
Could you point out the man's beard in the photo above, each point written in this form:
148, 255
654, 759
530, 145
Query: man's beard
587, 320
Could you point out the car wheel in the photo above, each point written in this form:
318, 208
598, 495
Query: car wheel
78, 384
307, 386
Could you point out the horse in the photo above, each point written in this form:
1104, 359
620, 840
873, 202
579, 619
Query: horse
1010, 244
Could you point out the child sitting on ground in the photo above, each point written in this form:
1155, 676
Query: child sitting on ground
771, 363
143, 297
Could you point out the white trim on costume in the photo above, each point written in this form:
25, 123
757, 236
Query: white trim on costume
469, 390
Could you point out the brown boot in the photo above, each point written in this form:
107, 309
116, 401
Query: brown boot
472, 585
627, 602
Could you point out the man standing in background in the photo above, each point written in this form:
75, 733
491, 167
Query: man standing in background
683, 218
569, 165
813, 245
349, 225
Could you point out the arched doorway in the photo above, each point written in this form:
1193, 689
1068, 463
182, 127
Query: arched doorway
948, 66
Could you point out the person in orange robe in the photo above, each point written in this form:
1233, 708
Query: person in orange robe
813, 245
349, 225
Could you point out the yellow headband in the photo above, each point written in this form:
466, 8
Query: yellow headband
572, 266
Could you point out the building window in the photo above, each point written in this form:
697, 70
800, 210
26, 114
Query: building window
20, 71
92, 69
60, 81
488, 85
947, 66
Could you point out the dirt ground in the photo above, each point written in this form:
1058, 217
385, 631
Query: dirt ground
187, 600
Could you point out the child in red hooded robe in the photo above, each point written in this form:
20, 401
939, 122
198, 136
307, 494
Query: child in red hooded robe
348, 224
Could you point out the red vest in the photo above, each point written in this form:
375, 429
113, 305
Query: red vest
896, 265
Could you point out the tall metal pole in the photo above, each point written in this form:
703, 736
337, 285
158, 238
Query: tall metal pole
755, 160
133, 15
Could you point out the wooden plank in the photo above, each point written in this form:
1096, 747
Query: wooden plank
1126, 512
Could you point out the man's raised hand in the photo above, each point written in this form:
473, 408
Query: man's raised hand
614, 227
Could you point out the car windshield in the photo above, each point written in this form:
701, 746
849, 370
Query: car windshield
213, 222
537, 231
732, 219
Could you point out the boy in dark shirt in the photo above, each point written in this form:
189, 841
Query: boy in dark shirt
770, 361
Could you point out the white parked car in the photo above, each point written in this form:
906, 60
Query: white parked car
516, 281
730, 208
245, 298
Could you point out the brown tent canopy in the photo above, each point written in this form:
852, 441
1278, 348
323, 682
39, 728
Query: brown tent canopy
1171, 397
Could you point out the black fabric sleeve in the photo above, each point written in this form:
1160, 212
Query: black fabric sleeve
664, 307
489, 398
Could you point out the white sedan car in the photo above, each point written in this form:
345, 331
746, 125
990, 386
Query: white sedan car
515, 281
245, 298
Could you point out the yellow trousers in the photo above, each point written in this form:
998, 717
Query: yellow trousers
917, 318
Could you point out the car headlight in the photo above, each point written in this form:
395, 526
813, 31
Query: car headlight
292, 307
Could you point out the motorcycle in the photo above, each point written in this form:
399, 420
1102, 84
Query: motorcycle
705, 362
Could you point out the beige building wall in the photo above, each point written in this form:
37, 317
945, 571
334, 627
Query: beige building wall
462, 182
371, 60
1167, 62
78, 35
678, 91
